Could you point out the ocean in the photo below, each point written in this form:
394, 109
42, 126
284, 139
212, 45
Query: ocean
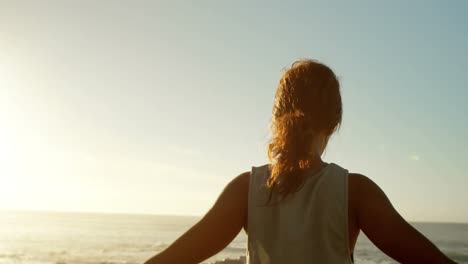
91, 238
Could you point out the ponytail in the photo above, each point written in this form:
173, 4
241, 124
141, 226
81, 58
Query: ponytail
307, 102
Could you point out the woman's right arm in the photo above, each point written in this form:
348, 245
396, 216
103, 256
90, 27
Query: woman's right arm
384, 226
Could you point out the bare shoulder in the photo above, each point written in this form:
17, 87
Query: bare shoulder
362, 186
365, 195
235, 194
234, 198
242, 180
240, 183
358, 180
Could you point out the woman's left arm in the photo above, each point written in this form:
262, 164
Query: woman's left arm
215, 230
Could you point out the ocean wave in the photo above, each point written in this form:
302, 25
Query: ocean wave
234, 249
240, 260
158, 246
16, 256
57, 253
457, 256
94, 262
129, 247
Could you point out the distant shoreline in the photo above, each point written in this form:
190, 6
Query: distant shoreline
28, 211
95, 212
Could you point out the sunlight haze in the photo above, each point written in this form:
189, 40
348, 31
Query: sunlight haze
154, 106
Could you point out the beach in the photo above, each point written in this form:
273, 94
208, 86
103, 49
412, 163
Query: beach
91, 238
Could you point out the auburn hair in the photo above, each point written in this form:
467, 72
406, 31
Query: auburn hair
307, 102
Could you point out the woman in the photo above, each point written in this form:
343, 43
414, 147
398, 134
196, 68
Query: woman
299, 209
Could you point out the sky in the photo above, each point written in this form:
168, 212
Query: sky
154, 106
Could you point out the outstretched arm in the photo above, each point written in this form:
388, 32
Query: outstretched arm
382, 224
214, 231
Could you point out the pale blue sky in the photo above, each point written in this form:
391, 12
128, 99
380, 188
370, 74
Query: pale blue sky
152, 107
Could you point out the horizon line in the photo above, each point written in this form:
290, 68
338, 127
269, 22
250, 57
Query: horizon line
166, 215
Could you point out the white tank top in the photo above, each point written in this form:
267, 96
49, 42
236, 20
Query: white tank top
308, 226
